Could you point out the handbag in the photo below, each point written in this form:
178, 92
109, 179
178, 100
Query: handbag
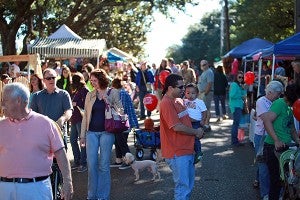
115, 122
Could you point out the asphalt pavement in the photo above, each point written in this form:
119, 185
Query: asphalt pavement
226, 173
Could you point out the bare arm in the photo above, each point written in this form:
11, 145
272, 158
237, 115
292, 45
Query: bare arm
188, 131
268, 119
65, 168
65, 117
208, 88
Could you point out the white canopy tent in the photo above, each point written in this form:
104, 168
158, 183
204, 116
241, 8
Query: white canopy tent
64, 43
64, 32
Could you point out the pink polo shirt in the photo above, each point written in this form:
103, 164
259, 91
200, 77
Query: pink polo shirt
27, 146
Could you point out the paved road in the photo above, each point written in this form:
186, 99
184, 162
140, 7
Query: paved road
226, 173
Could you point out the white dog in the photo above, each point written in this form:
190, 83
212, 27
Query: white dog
139, 165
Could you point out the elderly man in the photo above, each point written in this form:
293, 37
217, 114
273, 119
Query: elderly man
206, 86
28, 142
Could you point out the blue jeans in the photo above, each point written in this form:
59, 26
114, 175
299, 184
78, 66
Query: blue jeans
183, 171
217, 99
99, 181
142, 94
197, 145
237, 114
78, 153
263, 172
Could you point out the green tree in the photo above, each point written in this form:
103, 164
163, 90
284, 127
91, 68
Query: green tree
123, 23
201, 42
268, 19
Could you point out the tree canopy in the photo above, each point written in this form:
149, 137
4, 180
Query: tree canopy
269, 20
123, 23
201, 42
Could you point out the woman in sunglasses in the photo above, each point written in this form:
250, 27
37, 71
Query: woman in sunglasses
237, 94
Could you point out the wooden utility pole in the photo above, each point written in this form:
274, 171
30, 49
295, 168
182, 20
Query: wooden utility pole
227, 36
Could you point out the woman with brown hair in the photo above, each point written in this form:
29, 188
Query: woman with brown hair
65, 79
237, 94
95, 137
79, 91
36, 83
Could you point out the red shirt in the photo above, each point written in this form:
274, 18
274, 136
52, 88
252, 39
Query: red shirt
173, 112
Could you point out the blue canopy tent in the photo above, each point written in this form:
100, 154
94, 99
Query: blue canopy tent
287, 49
114, 57
248, 47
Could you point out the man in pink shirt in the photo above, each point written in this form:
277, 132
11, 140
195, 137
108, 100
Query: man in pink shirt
28, 142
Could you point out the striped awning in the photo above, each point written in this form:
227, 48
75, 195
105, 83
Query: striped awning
67, 47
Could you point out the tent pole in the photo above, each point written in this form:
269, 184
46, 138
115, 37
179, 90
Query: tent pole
259, 75
273, 65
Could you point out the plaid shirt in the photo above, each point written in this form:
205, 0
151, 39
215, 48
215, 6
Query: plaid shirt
129, 109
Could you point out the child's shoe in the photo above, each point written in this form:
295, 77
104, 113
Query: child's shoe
198, 157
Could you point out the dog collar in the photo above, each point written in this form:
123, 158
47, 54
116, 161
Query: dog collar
132, 162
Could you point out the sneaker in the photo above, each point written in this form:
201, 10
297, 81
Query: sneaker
225, 117
74, 166
142, 118
198, 157
116, 164
124, 166
82, 169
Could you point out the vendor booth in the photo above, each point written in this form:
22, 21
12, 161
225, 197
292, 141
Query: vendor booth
64, 43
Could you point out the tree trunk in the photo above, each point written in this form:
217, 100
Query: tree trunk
8, 41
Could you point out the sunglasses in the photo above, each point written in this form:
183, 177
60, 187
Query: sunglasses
50, 78
240, 77
180, 87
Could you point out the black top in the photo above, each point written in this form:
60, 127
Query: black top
220, 84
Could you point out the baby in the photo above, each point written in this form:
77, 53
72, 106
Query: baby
197, 113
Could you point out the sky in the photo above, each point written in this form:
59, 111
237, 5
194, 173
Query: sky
166, 33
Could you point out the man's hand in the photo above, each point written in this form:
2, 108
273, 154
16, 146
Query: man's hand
67, 190
60, 122
200, 133
278, 144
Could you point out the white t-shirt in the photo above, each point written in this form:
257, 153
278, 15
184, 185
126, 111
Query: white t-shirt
195, 108
262, 105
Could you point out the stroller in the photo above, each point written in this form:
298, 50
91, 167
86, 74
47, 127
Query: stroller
149, 139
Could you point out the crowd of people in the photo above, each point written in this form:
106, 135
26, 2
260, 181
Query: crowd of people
75, 98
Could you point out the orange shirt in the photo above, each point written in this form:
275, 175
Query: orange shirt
173, 112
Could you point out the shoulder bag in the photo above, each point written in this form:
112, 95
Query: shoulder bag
115, 122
